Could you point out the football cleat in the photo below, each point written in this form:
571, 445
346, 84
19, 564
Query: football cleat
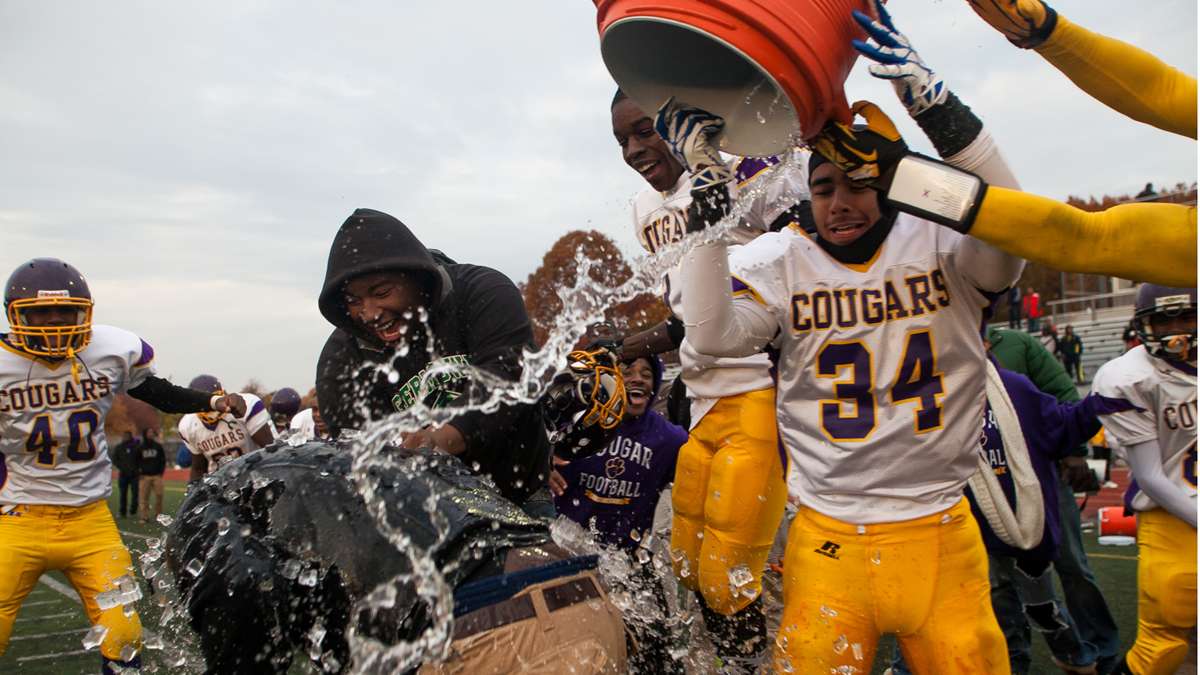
49, 309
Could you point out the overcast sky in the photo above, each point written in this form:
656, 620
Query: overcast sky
195, 159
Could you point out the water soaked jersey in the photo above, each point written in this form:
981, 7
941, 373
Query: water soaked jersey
881, 369
52, 444
229, 437
660, 220
1165, 400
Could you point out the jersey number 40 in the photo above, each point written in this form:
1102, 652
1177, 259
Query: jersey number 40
81, 446
917, 379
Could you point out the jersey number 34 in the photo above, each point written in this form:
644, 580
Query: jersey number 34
917, 380
81, 446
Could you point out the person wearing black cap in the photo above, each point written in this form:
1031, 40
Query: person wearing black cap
412, 327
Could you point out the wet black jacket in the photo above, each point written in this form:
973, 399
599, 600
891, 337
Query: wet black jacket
269, 545
475, 313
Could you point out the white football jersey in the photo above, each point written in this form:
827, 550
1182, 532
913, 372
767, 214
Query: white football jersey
52, 444
660, 220
229, 437
302, 425
881, 369
1164, 397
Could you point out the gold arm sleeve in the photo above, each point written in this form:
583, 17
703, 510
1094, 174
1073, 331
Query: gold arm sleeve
1131, 81
1144, 242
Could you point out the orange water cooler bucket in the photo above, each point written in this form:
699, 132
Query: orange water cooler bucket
1114, 523
774, 69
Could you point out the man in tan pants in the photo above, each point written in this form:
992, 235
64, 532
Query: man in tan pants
152, 462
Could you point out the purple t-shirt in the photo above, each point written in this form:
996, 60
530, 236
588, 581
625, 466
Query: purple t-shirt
615, 490
1051, 429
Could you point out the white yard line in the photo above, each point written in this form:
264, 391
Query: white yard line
31, 619
62, 588
35, 603
39, 657
46, 635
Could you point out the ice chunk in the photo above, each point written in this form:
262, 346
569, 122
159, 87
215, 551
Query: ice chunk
194, 567
739, 577
308, 577
290, 569
94, 637
165, 520
840, 645
222, 526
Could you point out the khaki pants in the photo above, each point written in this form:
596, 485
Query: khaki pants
146, 485
583, 637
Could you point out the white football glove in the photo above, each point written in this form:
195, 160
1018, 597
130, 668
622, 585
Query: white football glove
918, 87
688, 132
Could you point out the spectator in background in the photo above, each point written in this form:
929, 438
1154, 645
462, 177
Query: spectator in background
1032, 306
1014, 307
285, 403
614, 493
307, 424
124, 457
1147, 192
1070, 348
1085, 604
1049, 339
152, 462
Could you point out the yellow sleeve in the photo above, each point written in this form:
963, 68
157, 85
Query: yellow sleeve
1145, 242
1123, 77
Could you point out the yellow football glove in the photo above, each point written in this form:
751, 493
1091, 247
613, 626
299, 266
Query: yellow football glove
1026, 23
864, 153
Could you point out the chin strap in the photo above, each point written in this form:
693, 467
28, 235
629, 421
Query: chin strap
74, 364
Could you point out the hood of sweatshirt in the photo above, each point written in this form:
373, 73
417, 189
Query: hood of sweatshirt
372, 241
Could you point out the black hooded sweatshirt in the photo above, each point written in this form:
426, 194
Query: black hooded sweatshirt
475, 314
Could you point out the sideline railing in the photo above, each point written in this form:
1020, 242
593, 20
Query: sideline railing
1122, 298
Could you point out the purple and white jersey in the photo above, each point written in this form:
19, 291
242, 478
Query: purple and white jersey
660, 220
881, 368
1164, 396
52, 444
229, 437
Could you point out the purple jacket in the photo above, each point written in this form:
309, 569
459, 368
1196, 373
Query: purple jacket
615, 490
1051, 430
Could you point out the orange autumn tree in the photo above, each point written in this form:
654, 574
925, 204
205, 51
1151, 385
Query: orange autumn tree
559, 270
132, 415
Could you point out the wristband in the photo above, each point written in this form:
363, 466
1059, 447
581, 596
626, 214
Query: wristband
212, 402
936, 191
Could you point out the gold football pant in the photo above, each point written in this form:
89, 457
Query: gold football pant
1166, 593
80, 541
728, 499
924, 580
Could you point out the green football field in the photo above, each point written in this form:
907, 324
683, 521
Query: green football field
47, 638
